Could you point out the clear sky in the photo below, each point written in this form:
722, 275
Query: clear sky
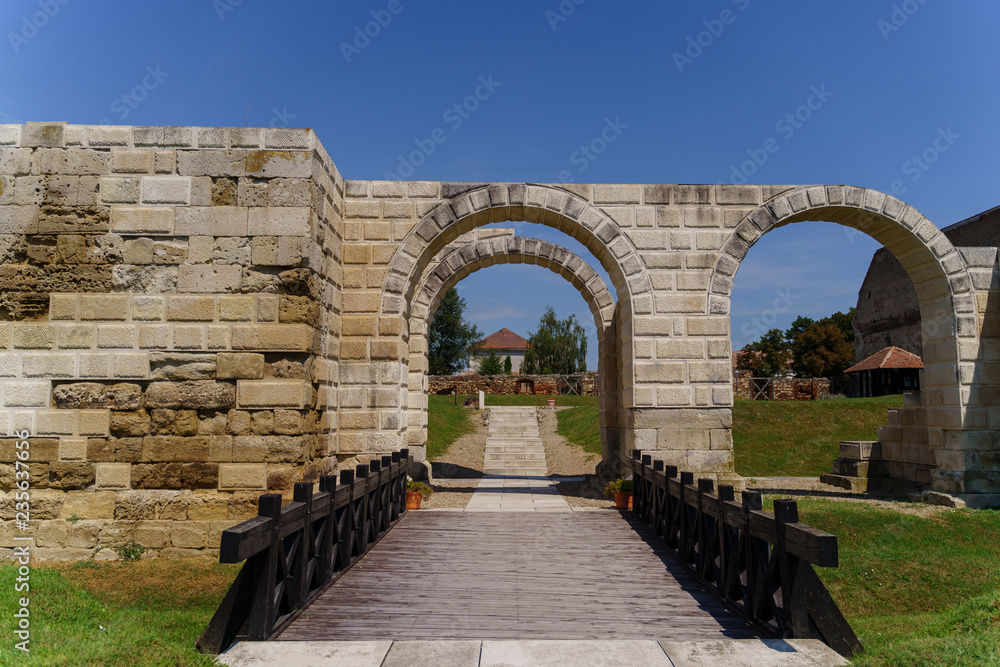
694, 92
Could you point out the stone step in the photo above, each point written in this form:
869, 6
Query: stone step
500, 457
857, 484
497, 449
860, 449
522, 472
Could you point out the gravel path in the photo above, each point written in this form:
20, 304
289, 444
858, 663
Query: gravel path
464, 458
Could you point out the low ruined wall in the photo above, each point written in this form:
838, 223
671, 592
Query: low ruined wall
546, 385
785, 389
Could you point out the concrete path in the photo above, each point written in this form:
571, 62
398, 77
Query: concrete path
517, 494
504, 653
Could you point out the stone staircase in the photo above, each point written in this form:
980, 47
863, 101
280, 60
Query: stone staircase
513, 443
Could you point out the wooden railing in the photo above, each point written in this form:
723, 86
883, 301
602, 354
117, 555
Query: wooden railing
760, 563
293, 553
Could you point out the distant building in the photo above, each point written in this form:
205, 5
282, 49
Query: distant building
889, 371
505, 343
888, 312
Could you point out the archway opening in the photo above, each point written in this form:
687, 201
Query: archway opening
463, 261
915, 455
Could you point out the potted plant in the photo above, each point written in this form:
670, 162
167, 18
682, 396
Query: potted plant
416, 492
621, 491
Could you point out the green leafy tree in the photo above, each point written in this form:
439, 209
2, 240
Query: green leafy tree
800, 324
508, 365
822, 350
844, 322
450, 336
766, 357
557, 347
490, 364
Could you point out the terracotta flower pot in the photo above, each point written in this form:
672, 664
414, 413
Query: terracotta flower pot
623, 501
413, 499
552, 402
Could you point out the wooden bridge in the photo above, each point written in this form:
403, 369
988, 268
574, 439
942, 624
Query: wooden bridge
517, 575
686, 565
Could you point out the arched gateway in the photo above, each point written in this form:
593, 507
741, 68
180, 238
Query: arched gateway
199, 314
455, 263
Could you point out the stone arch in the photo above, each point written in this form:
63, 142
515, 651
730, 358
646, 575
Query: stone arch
462, 261
947, 303
465, 260
541, 204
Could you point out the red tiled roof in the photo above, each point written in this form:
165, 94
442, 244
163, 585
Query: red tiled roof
505, 339
890, 357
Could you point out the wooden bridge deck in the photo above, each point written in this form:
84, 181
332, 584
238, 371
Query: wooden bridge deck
517, 575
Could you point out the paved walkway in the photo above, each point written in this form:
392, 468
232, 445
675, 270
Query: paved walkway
728, 652
517, 494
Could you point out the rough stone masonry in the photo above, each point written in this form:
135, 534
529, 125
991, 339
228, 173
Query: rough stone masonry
192, 316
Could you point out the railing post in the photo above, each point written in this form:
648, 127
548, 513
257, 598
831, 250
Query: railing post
303, 493
795, 621
726, 569
361, 485
386, 491
349, 532
327, 484
262, 609
375, 497
751, 501
705, 487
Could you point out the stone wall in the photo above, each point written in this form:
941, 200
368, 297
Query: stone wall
170, 314
785, 389
192, 316
504, 385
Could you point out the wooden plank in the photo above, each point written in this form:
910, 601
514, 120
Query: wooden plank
517, 575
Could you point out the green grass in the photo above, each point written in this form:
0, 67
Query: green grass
580, 427
916, 590
802, 438
446, 422
147, 612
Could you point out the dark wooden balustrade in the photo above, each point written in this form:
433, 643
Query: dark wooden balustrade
293, 553
760, 563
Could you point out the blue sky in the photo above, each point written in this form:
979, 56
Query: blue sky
691, 87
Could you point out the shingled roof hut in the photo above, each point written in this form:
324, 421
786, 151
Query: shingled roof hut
891, 370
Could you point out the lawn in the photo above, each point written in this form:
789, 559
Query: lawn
89, 613
917, 590
802, 438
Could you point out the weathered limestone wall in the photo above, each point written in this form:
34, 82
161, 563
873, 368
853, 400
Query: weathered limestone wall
171, 300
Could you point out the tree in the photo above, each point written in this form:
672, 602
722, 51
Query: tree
800, 324
507, 365
490, 364
557, 347
822, 350
844, 322
766, 357
450, 336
